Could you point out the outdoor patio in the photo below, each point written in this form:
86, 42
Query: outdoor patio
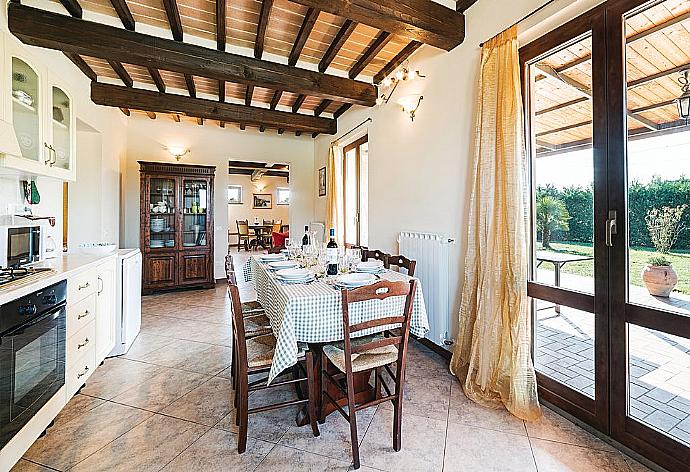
659, 364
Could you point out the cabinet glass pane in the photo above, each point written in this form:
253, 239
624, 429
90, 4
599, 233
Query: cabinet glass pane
194, 206
62, 132
162, 208
25, 106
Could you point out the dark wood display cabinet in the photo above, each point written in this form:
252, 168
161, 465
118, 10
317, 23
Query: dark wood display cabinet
176, 219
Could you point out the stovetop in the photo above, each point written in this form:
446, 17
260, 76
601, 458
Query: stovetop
7, 276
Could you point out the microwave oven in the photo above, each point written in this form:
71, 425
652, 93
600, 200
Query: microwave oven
21, 244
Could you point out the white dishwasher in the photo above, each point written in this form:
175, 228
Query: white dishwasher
128, 299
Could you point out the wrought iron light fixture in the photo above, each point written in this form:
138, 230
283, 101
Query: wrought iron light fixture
410, 104
683, 101
390, 83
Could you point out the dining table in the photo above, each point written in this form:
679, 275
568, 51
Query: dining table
260, 233
311, 313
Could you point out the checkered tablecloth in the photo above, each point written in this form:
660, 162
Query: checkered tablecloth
312, 313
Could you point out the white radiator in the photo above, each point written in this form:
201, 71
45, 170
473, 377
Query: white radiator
431, 251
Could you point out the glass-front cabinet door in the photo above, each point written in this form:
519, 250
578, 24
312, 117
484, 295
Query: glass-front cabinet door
162, 199
61, 127
26, 106
195, 202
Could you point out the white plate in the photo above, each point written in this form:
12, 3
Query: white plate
271, 257
309, 278
355, 280
277, 265
294, 274
370, 265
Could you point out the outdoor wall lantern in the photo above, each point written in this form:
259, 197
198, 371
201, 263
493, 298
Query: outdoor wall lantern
683, 101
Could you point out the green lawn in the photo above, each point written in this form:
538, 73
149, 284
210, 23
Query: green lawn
638, 259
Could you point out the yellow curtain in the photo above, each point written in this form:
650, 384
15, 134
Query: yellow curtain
492, 352
334, 193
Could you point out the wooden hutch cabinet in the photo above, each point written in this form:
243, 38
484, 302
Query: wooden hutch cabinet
176, 225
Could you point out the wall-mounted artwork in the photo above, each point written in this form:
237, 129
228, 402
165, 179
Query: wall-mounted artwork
322, 182
262, 201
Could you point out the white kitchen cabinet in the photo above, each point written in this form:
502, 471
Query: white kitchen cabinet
40, 110
105, 311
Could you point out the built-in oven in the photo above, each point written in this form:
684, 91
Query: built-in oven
20, 245
32, 355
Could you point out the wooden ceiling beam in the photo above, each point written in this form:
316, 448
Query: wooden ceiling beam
82, 65
276, 99
54, 31
304, 31
176, 117
340, 38
374, 48
463, 5
221, 124
118, 96
399, 58
243, 126
151, 115
248, 95
256, 165
425, 21
73, 7
322, 107
191, 86
342, 110
124, 13
125, 111
157, 79
221, 90
221, 14
298, 103
262, 128
122, 73
200, 121
561, 105
261, 28
174, 20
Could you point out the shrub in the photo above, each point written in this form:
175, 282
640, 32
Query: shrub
552, 215
659, 261
665, 226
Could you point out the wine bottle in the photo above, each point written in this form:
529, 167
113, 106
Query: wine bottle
305, 238
332, 255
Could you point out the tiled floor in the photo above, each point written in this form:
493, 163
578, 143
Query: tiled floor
167, 405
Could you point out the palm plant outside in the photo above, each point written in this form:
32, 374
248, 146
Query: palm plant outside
551, 215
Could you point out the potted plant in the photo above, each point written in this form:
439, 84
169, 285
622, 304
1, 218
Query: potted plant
664, 227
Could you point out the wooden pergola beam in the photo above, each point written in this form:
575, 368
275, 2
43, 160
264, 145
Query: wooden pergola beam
156, 102
304, 31
261, 28
124, 13
370, 53
174, 20
425, 21
82, 65
157, 79
221, 13
399, 58
121, 73
73, 7
340, 38
54, 31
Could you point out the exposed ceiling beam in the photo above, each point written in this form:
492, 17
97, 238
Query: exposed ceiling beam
256, 165
399, 58
157, 79
243, 126
200, 121
121, 73
125, 111
262, 128
562, 105
191, 86
654, 106
174, 20
117, 96
322, 107
651, 78
276, 99
564, 128
370, 53
303, 34
261, 28
151, 115
343, 34
124, 13
73, 7
82, 65
248, 94
463, 5
221, 14
270, 173
221, 90
425, 21
54, 31
281, 130
298, 133
176, 117
298, 103
221, 124
342, 110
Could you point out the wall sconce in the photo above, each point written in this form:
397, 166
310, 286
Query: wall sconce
410, 104
404, 73
177, 152
259, 186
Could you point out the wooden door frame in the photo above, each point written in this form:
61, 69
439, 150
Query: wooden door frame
356, 146
633, 433
594, 412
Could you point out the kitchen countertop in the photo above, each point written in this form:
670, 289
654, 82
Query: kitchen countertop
63, 266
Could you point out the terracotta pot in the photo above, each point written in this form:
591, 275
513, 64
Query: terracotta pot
659, 280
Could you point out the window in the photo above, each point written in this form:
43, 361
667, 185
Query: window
282, 196
234, 194
355, 196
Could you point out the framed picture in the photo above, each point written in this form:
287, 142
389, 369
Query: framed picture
322, 182
262, 201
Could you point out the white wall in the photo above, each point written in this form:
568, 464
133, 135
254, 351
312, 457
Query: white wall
418, 172
212, 145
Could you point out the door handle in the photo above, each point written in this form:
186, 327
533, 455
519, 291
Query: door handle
611, 228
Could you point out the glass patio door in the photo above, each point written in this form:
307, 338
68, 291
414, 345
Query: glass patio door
565, 101
649, 182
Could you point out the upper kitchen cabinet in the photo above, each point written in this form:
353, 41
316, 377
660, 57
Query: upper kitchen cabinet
40, 111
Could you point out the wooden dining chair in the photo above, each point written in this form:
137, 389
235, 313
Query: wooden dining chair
375, 254
403, 262
369, 353
255, 356
243, 235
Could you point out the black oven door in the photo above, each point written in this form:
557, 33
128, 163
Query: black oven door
32, 369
